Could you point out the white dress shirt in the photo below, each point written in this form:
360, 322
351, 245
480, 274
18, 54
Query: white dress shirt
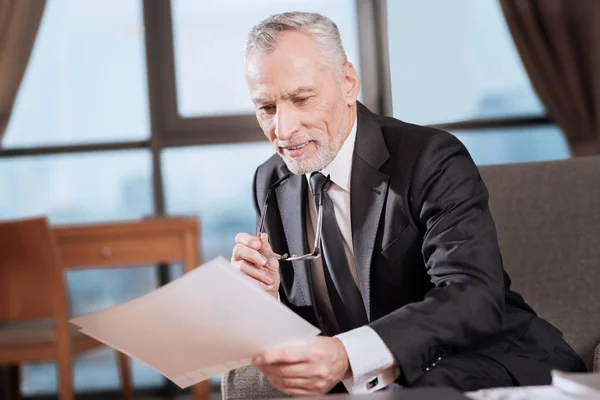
372, 363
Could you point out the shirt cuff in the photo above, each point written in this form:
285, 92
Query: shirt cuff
373, 364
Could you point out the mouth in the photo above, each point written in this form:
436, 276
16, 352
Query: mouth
295, 151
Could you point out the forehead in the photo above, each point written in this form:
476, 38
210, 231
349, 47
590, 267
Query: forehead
295, 62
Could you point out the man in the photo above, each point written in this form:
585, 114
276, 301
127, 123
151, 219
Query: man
409, 288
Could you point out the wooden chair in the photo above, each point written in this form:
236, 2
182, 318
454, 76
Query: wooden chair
32, 288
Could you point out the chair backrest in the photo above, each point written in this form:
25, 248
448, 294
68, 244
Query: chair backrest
32, 284
548, 219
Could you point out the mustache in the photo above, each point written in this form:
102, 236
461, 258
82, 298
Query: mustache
293, 142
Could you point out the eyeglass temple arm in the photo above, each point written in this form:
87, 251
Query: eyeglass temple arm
262, 219
263, 214
317, 244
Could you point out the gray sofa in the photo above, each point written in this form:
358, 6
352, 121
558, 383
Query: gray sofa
547, 216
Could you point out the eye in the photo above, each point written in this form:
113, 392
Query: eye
300, 100
268, 109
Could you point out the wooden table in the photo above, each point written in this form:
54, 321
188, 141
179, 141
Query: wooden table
135, 243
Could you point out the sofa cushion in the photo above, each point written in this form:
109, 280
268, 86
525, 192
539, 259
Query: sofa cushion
597, 359
547, 215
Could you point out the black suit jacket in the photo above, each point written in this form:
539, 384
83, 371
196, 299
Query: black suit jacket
426, 252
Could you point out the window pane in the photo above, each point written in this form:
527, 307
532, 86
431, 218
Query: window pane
77, 188
209, 38
457, 63
84, 188
512, 145
86, 79
215, 182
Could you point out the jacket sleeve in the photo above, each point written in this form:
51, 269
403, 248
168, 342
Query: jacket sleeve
450, 205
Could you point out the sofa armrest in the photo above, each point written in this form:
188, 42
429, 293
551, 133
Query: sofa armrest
596, 364
247, 383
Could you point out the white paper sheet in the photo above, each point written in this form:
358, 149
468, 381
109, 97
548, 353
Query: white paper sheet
579, 385
211, 320
520, 393
565, 386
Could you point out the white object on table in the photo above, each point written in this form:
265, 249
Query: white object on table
579, 385
520, 393
565, 386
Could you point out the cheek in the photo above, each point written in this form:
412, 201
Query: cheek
267, 126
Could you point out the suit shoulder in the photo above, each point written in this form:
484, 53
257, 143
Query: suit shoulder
410, 140
272, 163
269, 172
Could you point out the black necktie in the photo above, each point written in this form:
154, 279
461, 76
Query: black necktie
345, 297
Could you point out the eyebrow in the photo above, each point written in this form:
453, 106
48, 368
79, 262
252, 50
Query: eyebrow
294, 93
298, 92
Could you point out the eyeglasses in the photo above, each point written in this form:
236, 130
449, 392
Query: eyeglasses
316, 253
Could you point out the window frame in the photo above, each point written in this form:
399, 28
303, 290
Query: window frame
169, 129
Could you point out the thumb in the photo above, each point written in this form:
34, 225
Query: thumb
264, 243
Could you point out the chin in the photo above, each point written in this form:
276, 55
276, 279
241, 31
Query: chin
297, 168
304, 166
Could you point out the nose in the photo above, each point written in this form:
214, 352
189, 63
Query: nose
286, 123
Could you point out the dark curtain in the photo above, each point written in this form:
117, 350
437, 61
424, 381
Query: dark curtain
19, 22
559, 43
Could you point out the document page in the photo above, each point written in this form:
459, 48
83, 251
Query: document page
211, 320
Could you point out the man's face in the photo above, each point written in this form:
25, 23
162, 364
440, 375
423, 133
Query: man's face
300, 105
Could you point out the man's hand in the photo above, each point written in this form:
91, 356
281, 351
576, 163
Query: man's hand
252, 256
305, 370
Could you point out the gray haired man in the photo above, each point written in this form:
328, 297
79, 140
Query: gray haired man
410, 287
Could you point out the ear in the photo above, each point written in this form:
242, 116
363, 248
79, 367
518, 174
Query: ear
350, 84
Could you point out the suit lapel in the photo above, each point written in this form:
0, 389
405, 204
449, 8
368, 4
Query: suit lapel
291, 199
368, 189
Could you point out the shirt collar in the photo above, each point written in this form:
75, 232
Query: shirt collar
340, 168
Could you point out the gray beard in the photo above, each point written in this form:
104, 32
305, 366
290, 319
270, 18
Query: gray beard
324, 155
326, 152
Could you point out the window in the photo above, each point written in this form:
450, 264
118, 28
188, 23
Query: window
88, 83
86, 78
85, 83
457, 63
210, 73
215, 182
517, 144
93, 290
79, 188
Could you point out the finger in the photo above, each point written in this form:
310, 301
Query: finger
260, 274
265, 248
286, 355
316, 373
300, 387
243, 252
298, 370
294, 383
285, 384
248, 240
